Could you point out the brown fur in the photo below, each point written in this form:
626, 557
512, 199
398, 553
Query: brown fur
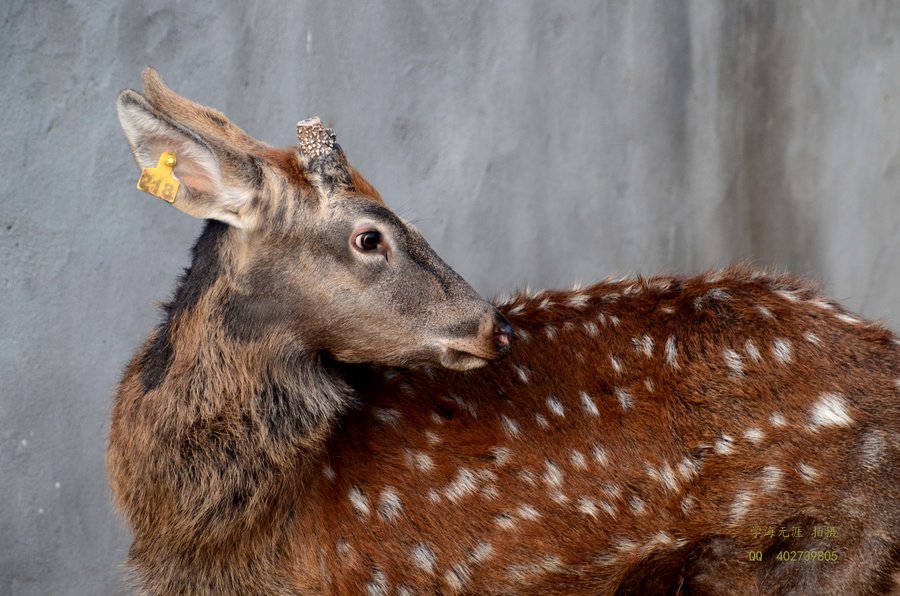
289, 427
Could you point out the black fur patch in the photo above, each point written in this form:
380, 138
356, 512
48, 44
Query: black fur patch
284, 415
217, 120
195, 281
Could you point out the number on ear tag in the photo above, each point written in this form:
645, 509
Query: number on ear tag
159, 181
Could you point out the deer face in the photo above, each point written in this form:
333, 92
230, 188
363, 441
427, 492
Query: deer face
311, 254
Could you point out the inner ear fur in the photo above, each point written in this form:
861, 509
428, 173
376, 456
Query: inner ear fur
218, 179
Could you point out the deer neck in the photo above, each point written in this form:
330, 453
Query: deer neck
197, 359
229, 426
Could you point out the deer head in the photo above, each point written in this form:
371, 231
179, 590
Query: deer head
303, 249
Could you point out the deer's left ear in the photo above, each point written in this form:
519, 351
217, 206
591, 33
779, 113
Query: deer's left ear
217, 181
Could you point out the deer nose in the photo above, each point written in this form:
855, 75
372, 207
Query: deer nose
503, 333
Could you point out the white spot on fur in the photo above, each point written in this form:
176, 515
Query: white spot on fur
714, 276
687, 503
541, 421
872, 450
578, 300
819, 303
389, 505
663, 474
457, 576
345, 551
611, 490
328, 471
587, 506
510, 426
752, 351
359, 501
644, 345
419, 460
528, 512
771, 478
741, 505
437, 418
788, 295
501, 455
528, 477
432, 437
765, 312
589, 406
725, 445
378, 584
552, 474
591, 328
527, 572
754, 435
847, 319
516, 310
482, 552
578, 460
505, 521
616, 365
625, 545
688, 467
624, 398
387, 416
637, 505
829, 410
807, 472
545, 304
781, 349
522, 374
614, 320
464, 484
599, 454
777, 420
812, 338
423, 557
710, 296
659, 539
671, 352
733, 361
661, 285
550, 330
433, 496
558, 496
555, 406
405, 591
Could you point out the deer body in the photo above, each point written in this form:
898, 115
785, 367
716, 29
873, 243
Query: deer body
640, 436
634, 438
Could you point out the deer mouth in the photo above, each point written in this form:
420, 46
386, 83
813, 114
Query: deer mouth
456, 359
466, 355
492, 341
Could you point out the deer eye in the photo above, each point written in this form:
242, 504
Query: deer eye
368, 241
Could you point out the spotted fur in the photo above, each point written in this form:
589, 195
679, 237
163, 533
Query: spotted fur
635, 436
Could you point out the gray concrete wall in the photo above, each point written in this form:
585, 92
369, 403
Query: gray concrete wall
532, 142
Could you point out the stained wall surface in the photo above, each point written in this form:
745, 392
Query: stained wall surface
536, 143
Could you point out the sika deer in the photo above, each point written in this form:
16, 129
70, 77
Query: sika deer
325, 409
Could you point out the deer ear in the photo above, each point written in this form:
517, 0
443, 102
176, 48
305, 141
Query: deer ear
213, 182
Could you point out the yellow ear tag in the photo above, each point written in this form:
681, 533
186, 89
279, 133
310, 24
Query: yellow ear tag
159, 181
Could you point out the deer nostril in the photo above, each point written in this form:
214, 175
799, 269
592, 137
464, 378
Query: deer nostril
503, 331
